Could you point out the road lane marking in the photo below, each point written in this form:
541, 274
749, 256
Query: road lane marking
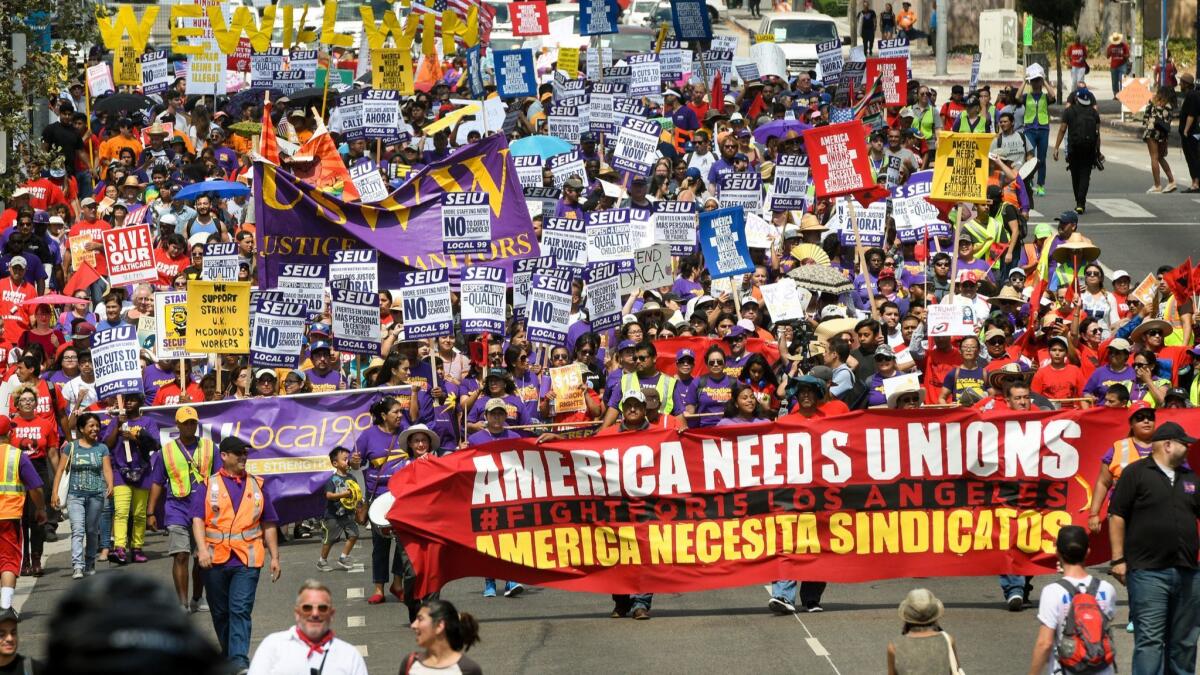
357, 568
356, 621
353, 593
818, 648
1037, 215
813, 643
1121, 208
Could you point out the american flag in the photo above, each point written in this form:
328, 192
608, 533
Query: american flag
487, 14
434, 7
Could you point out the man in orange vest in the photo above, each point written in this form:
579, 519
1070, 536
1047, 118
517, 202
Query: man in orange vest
234, 518
18, 479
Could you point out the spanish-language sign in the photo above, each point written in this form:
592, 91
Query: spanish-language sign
529, 170
610, 238
893, 48
838, 159
785, 300
155, 76
221, 261
368, 181
723, 242
914, 216
466, 222
359, 267
651, 269
115, 358
645, 77
637, 145
523, 270
743, 190
529, 18
130, 254
893, 79
171, 320
127, 69
218, 317
565, 240
789, 188
872, 495
598, 17
567, 165
305, 283
549, 306
602, 288
381, 114
425, 304
829, 61
960, 168
356, 327
515, 74
392, 70
675, 225
278, 333
872, 225
691, 20
482, 299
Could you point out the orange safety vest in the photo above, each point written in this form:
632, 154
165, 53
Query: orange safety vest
1124, 452
12, 490
228, 530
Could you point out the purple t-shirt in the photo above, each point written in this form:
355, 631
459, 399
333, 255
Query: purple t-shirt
127, 454
710, 396
484, 436
177, 510
1104, 377
875, 389
1142, 451
154, 378
731, 421
517, 413
961, 380
29, 475
375, 443
687, 289
734, 365
236, 489
331, 381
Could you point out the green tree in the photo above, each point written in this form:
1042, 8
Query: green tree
1057, 15
68, 26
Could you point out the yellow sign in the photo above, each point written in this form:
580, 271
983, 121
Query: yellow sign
218, 317
114, 28
126, 68
764, 37
568, 61
450, 119
568, 388
392, 69
960, 169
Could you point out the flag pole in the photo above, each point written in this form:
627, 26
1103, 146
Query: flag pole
861, 258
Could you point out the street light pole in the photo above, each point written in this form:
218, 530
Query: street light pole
943, 16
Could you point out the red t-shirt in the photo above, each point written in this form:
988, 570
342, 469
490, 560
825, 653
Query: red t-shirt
15, 316
168, 268
168, 394
938, 364
1117, 55
1122, 305
951, 111
34, 436
43, 193
1077, 55
49, 405
1065, 382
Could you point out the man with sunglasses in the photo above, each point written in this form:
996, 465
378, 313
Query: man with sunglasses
645, 374
310, 646
723, 165
569, 206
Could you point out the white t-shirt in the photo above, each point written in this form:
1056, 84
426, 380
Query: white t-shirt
1053, 606
283, 653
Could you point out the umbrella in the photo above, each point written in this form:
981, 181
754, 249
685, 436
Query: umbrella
785, 129
542, 146
233, 107
122, 103
219, 188
54, 299
821, 279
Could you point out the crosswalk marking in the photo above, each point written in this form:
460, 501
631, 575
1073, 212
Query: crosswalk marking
356, 621
353, 593
357, 568
1121, 208
1036, 215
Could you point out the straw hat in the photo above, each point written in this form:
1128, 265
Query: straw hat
835, 327
1145, 326
1116, 38
810, 223
1009, 370
132, 181
156, 129
1007, 293
375, 364
921, 608
893, 400
1077, 247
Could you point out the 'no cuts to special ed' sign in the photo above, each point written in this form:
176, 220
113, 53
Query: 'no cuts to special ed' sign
218, 317
482, 299
637, 145
549, 307
278, 330
130, 254
425, 303
356, 327
723, 241
466, 223
603, 290
115, 359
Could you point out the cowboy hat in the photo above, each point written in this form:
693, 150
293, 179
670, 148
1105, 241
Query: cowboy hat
132, 181
1077, 247
1008, 293
1007, 371
402, 439
893, 398
1152, 324
810, 223
156, 129
1116, 38
834, 327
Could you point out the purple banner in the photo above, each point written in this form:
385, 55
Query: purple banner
299, 224
290, 439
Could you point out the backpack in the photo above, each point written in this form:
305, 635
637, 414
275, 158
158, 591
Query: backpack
1085, 130
1085, 645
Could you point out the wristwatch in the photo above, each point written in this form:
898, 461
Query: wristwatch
1117, 561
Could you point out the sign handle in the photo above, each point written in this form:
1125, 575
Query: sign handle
954, 257
87, 108
182, 376
432, 370
862, 259
220, 393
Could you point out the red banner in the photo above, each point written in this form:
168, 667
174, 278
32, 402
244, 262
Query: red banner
892, 74
863, 496
669, 348
529, 18
837, 154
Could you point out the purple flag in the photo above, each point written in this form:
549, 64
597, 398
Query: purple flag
296, 223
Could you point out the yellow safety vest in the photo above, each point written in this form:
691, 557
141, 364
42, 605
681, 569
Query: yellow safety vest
986, 235
1041, 107
1170, 314
665, 388
964, 125
924, 123
180, 472
12, 490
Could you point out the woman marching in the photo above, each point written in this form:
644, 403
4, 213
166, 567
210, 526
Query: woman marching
379, 452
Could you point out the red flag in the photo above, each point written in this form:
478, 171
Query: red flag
1196, 280
268, 144
756, 106
320, 165
1179, 280
718, 94
838, 158
85, 275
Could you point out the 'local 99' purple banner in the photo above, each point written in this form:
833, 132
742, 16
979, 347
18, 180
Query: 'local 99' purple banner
290, 439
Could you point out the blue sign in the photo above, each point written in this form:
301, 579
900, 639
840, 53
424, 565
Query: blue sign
515, 74
723, 241
691, 20
598, 17
475, 72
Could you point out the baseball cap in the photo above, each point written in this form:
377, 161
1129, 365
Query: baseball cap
83, 331
692, 173
741, 157
265, 372
994, 332
1175, 392
573, 183
87, 201
5, 426
1072, 542
18, 261
1042, 231
885, 351
749, 300
968, 277
1119, 344
1016, 272
1084, 97
1067, 217
633, 395
1138, 406
626, 344
320, 328
736, 117
685, 353
1057, 338
186, 413
234, 445
495, 404
319, 345
671, 92
1120, 274
1170, 431
735, 333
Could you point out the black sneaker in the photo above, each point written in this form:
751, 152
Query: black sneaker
781, 606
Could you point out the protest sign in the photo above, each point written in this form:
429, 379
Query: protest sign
288, 82
568, 61
541, 200
355, 314
893, 48
475, 72
975, 63
914, 216
743, 190
641, 226
691, 20
278, 331
722, 237
770, 59
130, 255
747, 72
602, 288
171, 320
549, 307
358, 267
838, 159
637, 145
466, 222
872, 225
392, 70
960, 168
829, 62
598, 17
381, 114
482, 299
720, 61
264, 65
597, 61
759, 233
529, 18
305, 283
239, 60
221, 261
850, 83
515, 74
523, 270
789, 187
567, 165
368, 181
529, 170
425, 304
127, 70
651, 269
567, 384
115, 358
645, 77
99, 80
206, 71
1145, 291
305, 61
155, 76
893, 79
624, 108
618, 74
675, 225
951, 319
565, 240
785, 300
610, 238
565, 122
218, 316
79, 249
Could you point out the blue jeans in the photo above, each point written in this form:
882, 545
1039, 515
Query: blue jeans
642, 600
84, 510
1015, 584
1167, 605
810, 591
231, 602
1040, 140
106, 522
1116, 74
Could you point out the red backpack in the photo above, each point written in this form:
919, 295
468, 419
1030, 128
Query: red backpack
1085, 645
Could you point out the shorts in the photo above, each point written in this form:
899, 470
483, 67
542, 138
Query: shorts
11, 546
338, 527
180, 540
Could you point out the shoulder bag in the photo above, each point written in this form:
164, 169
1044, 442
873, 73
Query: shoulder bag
64, 485
954, 667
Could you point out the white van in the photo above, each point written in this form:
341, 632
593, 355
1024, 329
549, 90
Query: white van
798, 34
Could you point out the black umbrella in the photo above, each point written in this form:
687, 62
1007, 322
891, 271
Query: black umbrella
308, 95
122, 103
233, 107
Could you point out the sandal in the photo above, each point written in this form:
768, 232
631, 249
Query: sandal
376, 599
398, 594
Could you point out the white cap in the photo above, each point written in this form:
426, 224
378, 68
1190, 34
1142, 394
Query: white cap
737, 117
168, 218
1120, 274
671, 92
633, 395
57, 220
1034, 71
18, 260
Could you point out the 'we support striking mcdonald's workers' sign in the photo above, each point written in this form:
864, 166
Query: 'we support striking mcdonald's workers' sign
869, 495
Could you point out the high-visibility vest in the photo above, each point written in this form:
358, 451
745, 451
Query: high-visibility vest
180, 472
1124, 452
986, 235
924, 123
1040, 107
665, 388
232, 530
964, 125
1170, 314
12, 490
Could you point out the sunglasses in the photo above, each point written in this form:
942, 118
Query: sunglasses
1143, 417
308, 609
996, 341
716, 364
558, 357
1091, 274
1154, 333
642, 357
